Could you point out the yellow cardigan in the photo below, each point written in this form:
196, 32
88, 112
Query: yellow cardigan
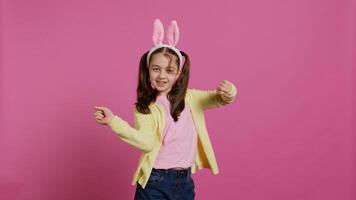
146, 136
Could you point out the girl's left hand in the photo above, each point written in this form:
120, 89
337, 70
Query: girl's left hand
103, 115
224, 88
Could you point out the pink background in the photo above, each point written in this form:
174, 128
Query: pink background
289, 135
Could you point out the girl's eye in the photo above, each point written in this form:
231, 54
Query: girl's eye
155, 69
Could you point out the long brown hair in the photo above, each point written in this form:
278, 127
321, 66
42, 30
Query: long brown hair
146, 95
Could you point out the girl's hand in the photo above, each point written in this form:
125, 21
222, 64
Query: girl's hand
224, 89
103, 115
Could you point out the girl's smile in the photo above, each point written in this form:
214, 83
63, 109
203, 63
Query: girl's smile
161, 83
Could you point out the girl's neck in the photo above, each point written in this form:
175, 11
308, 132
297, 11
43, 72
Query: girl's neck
162, 95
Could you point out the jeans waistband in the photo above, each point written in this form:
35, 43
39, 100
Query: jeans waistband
174, 171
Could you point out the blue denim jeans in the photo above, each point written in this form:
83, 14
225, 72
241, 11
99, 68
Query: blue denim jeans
167, 184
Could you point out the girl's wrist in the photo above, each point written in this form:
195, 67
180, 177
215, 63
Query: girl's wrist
111, 119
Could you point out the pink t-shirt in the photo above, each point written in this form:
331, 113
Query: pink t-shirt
179, 142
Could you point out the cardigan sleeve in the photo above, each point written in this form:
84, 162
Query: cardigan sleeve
208, 99
141, 136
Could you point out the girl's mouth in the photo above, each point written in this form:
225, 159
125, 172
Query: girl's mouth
161, 83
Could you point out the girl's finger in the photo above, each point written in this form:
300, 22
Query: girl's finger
99, 111
221, 92
225, 83
222, 88
100, 108
99, 115
225, 94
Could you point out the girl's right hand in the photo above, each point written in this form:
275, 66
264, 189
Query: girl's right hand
103, 115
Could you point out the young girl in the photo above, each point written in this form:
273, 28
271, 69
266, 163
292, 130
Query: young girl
169, 121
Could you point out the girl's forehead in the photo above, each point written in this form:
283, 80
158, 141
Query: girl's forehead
161, 60
166, 66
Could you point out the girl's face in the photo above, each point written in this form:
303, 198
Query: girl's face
163, 72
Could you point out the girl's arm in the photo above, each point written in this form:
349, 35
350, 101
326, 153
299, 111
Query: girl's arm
141, 137
208, 99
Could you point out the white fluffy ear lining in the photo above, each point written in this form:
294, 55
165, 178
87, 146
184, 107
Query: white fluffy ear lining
158, 32
173, 33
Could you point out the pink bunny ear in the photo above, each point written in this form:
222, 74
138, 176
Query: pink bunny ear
158, 32
173, 33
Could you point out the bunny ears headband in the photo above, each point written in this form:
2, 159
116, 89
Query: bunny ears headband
172, 37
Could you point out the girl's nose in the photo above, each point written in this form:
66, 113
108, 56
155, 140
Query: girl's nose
162, 74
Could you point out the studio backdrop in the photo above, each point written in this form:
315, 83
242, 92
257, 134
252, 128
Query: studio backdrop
290, 134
